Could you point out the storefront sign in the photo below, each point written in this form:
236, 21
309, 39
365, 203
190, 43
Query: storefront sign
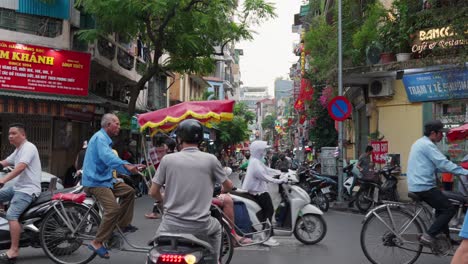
41, 69
434, 86
379, 154
443, 38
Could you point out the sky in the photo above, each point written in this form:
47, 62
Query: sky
270, 54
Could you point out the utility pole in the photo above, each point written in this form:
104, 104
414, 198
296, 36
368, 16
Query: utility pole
340, 93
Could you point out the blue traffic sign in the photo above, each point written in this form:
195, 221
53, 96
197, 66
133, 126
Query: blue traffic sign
339, 108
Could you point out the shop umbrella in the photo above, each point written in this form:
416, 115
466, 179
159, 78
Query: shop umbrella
458, 133
206, 112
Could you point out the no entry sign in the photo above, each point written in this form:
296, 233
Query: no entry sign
339, 108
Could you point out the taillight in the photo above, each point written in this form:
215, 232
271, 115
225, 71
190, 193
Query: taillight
176, 258
171, 258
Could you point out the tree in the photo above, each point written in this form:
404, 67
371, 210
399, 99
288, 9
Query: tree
187, 30
235, 131
269, 122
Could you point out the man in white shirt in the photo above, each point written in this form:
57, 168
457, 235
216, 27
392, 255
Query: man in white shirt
27, 168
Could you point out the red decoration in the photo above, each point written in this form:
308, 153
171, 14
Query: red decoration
41, 69
302, 119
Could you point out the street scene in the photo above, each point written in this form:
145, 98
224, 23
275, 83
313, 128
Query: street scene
233, 131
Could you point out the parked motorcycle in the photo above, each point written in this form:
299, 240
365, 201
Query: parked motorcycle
294, 213
371, 192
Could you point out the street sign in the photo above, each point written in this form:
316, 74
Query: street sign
339, 108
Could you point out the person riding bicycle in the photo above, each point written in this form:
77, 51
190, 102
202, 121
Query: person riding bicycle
27, 168
425, 159
255, 182
99, 163
188, 178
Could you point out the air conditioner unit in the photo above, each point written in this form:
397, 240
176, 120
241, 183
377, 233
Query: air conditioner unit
382, 87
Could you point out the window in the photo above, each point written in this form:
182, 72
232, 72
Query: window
30, 24
216, 91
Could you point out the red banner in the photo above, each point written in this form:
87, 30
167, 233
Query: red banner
379, 154
41, 69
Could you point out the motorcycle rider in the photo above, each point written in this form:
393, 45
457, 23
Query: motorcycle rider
255, 182
27, 167
423, 162
189, 177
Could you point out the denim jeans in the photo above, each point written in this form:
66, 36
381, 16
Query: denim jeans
444, 210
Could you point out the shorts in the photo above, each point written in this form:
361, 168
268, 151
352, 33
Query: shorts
19, 202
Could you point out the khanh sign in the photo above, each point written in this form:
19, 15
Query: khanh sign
41, 69
434, 86
379, 152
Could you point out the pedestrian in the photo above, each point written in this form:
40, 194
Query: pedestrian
161, 151
98, 165
364, 161
27, 170
189, 177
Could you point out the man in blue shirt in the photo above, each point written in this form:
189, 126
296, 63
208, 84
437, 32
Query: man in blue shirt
425, 159
99, 162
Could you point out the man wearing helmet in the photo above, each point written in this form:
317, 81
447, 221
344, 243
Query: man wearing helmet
189, 177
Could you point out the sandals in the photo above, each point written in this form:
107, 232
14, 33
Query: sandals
242, 241
102, 251
4, 258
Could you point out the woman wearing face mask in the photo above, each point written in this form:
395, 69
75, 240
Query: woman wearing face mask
256, 179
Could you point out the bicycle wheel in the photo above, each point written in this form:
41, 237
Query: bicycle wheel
57, 239
364, 199
227, 246
382, 245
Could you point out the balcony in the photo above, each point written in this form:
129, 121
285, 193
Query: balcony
115, 57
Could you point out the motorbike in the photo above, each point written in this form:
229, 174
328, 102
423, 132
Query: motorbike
371, 192
293, 212
318, 187
32, 219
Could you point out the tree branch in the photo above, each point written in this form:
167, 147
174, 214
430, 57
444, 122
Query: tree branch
222, 48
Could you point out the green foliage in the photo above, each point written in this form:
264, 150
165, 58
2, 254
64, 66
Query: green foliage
235, 131
269, 122
187, 30
323, 134
367, 33
322, 44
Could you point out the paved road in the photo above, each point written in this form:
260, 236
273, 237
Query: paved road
341, 245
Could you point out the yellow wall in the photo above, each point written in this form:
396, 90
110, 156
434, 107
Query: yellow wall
401, 123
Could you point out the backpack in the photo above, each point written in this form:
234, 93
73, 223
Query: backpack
241, 217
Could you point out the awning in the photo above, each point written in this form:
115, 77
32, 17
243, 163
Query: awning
90, 99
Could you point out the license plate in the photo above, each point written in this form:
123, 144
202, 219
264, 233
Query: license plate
326, 190
356, 188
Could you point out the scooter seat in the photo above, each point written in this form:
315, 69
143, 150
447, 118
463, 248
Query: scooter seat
245, 195
456, 196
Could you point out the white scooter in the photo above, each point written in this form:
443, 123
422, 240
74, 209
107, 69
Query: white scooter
293, 215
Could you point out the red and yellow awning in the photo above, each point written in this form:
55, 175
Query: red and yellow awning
206, 112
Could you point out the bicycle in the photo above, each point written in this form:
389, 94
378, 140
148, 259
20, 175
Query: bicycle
394, 229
